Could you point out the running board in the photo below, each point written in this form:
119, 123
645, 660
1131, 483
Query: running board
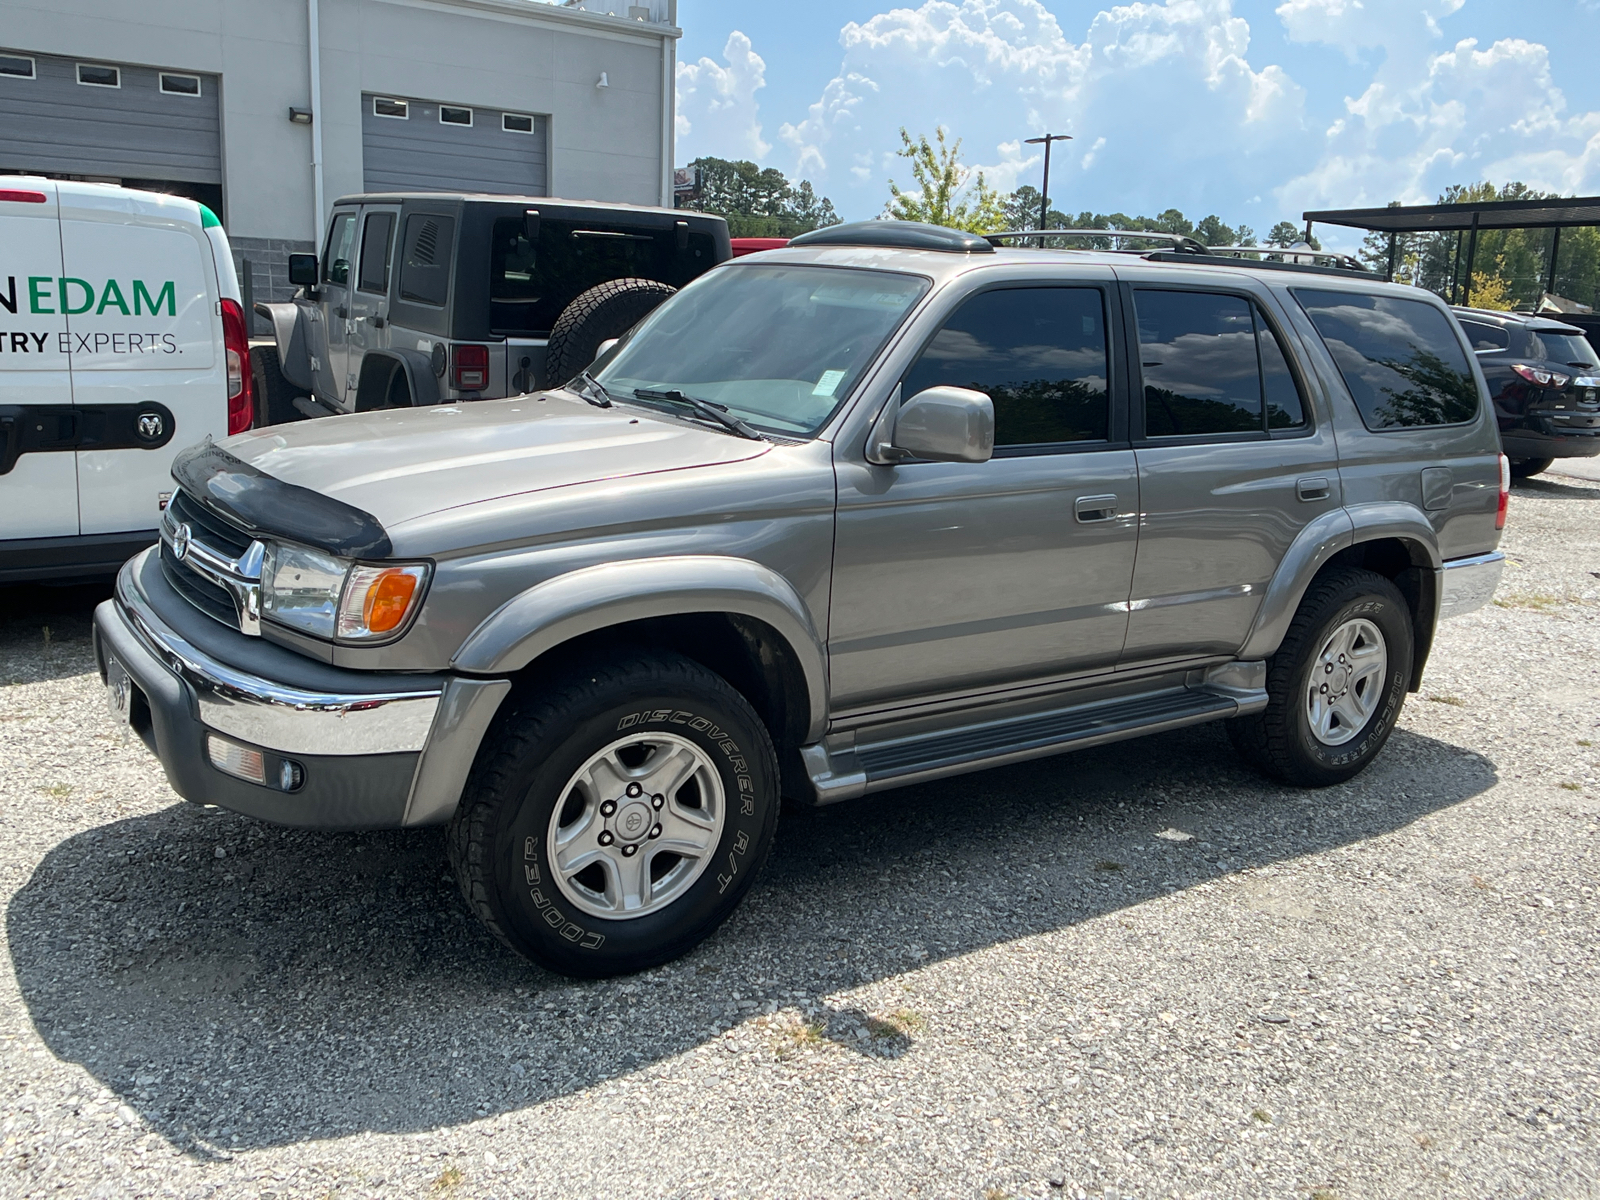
843, 774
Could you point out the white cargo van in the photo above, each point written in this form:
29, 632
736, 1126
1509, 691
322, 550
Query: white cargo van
122, 341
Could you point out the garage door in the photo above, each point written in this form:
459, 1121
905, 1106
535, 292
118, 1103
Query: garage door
89, 117
422, 145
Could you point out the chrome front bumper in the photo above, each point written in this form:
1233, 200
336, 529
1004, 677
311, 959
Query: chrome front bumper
1467, 584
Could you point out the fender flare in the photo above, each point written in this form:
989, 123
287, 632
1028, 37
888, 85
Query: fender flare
418, 370
597, 597
1317, 543
294, 353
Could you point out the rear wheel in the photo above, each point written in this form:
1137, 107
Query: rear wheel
1336, 684
1521, 468
606, 311
274, 394
617, 816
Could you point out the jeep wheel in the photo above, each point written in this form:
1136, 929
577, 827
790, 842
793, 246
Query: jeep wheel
617, 815
1521, 468
274, 394
606, 311
1336, 683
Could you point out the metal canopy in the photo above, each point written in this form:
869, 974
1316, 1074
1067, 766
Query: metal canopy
1555, 213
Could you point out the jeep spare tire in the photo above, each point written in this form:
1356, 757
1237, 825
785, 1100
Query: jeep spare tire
605, 311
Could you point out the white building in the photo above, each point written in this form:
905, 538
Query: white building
268, 110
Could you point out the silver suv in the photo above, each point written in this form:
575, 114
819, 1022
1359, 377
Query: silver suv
884, 506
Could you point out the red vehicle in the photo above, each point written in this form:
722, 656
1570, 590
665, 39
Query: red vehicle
743, 246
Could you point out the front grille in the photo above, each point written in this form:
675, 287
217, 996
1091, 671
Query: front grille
202, 593
216, 535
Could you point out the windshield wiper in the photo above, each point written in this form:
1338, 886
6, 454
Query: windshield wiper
591, 389
706, 408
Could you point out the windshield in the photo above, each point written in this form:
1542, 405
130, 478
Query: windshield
779, 346
1570, 348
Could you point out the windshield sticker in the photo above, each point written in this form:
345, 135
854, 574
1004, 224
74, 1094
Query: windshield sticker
829, 381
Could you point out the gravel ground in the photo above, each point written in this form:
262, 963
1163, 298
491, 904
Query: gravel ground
1009, 984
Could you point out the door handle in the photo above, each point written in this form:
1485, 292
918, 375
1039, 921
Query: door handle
1094, 508
377, 321
1313, 488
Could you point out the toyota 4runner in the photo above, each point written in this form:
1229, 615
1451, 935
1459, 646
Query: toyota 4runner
885, 505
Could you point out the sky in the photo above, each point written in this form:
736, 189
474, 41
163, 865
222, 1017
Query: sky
1250, 109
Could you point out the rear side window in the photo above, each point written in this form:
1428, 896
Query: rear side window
375, 240
1212, 364
1486, 339
1038, 353
425, 259
1573, 349
1400, 358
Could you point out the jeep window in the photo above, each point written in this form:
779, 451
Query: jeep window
1202, 374
780, 345
375, 238
341, 245
1570, 348
1486, 339
1039, 353
425, 258
1401, 359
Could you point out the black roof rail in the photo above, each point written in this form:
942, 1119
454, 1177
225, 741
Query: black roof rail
1180, 242
900, 235
1343, 261
1254, 264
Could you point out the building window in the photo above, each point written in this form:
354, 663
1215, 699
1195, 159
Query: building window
382, 107
180, 85
515, 123
95, 76
449, 115
16, 66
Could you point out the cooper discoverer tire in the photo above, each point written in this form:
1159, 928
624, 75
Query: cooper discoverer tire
565, 769
605, 311
1521, 468
1352, 633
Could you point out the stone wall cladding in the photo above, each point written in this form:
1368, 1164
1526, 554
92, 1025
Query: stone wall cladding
269, 267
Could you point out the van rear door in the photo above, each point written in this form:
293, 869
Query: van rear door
38, 475
142, 304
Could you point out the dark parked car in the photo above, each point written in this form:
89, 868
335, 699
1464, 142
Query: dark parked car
1544, 379
432, 297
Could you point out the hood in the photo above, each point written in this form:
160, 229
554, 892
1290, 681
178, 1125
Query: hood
405, 463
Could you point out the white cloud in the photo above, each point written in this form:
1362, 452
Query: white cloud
717, 110
1353, 25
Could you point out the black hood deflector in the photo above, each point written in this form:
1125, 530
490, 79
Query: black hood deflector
268, 507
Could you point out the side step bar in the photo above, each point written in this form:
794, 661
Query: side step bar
845, 774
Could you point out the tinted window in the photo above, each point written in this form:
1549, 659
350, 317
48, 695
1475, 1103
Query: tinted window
1572, 349
341, 245
1201, 372
1038, 353
425, 258
1285, 408
375, 252
1400, 358
1486, 337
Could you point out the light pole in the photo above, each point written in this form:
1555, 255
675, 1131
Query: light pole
1044, 200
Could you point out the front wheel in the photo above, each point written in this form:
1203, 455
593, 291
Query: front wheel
1336, 684
617, 816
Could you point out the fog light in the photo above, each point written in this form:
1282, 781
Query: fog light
234, 759
290, 775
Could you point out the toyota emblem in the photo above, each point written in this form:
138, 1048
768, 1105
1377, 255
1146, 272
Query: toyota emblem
180, 541
151, 426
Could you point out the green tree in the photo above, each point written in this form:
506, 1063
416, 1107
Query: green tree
1213, 232
943, 196
757, 201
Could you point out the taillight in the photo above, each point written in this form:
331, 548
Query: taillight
241, 402
1505, 493
15, 196
469, 368
1540, 376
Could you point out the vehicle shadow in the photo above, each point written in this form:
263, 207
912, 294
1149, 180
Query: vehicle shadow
1572, 489
241, 985
51, 625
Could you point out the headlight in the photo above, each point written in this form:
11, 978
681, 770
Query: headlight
335, 599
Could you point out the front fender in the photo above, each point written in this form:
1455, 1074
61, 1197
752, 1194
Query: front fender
582, 601
294, 346
418, 370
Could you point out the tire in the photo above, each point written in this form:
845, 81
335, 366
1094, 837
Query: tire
608, 310
531, 785
274, 394
1281, 741
1521, 468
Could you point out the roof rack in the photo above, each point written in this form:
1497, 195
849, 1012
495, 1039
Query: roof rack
1295, 255
1181, 243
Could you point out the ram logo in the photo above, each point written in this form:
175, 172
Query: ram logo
151, 426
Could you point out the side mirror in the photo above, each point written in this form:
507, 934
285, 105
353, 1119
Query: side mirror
941, 424
303, 270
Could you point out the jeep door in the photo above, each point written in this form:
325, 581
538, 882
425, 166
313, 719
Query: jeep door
330, 360
1233, 462
38, 480
367, 327
953, 577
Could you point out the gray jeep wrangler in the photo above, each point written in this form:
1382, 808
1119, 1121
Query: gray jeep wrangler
431, 297
884, 506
